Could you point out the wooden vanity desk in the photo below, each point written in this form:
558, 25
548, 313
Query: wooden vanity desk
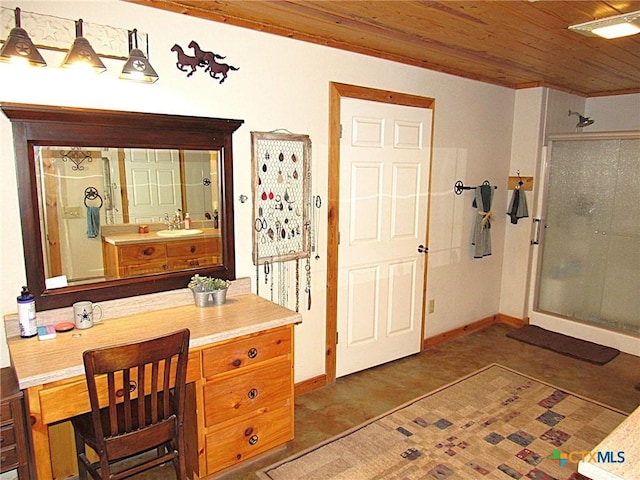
240, 374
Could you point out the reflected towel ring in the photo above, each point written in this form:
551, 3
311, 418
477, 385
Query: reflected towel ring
91, 193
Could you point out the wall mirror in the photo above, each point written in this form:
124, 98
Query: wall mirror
103, 195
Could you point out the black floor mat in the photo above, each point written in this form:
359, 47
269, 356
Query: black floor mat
564, 344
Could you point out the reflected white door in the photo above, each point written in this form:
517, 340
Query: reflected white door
153, 184
200, 177
385, 158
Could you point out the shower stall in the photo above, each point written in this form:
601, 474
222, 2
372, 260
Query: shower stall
589, 259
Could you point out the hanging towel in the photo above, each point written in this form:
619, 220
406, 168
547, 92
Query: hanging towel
93, 222
482, 221
518, 207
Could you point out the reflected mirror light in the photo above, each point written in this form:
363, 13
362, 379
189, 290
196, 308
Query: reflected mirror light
94, 199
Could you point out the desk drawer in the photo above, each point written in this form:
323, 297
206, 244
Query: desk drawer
7, 436
241, 394
190, 248
245, 352
189, 262
76, 398
135, 253
8, 458
228, 446
5, 412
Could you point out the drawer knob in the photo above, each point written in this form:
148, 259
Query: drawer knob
132, 386
193, 249
237, 362
252, 353
148, 251
253, 393
248, 431
253, 440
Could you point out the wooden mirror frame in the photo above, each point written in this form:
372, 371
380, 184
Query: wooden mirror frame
38, 125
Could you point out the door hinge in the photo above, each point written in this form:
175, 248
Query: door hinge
337, 337
340, 130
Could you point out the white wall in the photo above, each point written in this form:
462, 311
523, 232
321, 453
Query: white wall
611, 114
284, 83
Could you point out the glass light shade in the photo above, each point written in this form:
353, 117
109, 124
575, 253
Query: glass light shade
611, 27
138, 68
617, 31
82, 54
19, 46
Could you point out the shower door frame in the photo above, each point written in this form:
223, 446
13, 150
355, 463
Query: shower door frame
570, 326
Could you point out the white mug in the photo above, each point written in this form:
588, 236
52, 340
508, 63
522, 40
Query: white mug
84, 316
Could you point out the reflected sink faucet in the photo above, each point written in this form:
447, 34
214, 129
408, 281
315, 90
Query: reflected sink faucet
174, 223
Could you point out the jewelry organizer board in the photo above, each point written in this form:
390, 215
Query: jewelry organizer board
281, 186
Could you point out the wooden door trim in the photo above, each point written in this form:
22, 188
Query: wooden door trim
336, 92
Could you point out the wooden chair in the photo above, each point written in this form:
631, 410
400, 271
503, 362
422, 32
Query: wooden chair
137, 394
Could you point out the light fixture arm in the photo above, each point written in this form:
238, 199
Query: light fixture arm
18, 19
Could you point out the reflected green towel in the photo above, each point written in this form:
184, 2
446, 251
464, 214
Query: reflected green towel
93, 222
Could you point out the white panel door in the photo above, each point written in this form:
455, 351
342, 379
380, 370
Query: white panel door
201, 177
385, 157
153, 184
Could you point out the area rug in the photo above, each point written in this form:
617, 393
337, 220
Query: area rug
493, 424
564, 344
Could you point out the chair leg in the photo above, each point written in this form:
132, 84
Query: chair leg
80, 454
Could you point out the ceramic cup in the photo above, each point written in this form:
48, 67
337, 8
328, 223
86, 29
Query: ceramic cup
86, 314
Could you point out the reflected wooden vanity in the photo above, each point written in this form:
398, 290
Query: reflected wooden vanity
134, 254
240, 374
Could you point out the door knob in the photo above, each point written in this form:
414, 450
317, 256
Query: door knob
422, 249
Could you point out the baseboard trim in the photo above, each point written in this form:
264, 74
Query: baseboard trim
512, 321
458, 332
482, 323
310, 384
321, 380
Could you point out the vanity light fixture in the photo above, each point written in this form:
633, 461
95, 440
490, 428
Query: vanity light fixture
611, 27
137, 67
19, 47
82, 54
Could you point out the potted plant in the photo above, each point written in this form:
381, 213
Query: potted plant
208, 291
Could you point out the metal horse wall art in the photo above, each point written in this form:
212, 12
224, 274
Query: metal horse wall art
202, 58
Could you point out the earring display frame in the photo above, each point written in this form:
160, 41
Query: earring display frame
280, 185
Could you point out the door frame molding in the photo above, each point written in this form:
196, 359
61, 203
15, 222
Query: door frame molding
336, 92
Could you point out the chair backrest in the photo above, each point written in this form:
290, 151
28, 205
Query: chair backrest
119, 376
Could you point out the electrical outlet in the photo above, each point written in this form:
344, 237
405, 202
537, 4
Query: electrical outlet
432, 306
72, 212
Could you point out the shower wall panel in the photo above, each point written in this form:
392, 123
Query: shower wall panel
590, 265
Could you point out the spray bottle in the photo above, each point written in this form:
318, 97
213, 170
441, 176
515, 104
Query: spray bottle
27, 314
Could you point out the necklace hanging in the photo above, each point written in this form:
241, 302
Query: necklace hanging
308, 287
297, 285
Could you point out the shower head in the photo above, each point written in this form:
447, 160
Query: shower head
582, 121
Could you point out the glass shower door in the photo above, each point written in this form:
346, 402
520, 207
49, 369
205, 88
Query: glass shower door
590, 266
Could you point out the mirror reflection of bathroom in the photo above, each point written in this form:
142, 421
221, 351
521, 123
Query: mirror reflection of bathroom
129, 186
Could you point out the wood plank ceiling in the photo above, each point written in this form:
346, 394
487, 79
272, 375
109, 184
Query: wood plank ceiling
516, 44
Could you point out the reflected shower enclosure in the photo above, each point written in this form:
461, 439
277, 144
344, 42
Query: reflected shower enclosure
590, 261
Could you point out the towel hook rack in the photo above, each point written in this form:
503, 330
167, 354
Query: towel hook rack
91, 193
459, 186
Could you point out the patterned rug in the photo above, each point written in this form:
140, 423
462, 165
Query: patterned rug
493, 424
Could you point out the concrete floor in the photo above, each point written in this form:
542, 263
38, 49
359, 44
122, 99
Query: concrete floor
353, 399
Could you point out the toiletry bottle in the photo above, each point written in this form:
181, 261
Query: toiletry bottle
187, 221
27, 314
